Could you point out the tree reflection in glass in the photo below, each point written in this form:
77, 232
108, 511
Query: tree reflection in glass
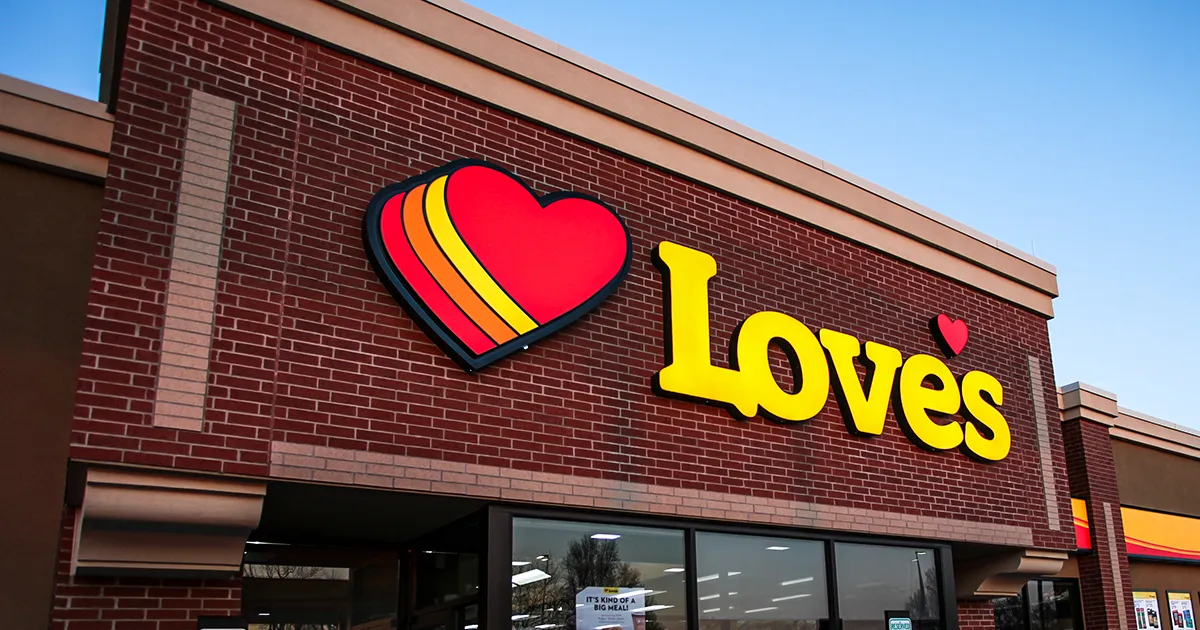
557, 564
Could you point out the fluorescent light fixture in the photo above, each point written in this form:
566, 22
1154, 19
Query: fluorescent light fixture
520, 563
708, 597
651, 608
733, 573
775, 548
674, 570
799, 581
259, 542
640, 591
706, 578
540, 558
731, 594
708, 610
754, 610
784, 599
473, 626
519, 617
529, 577
914, 559
922, 553
545, 625
606, 536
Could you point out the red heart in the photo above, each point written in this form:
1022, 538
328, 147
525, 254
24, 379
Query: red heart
484, 265
550, 258
952, 333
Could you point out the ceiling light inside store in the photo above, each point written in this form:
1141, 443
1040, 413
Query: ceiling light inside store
775, 548
708, 577
707, 597
473, 626
606, 536
674, 570
651, 608
546, 625
519, 617
784, 599
799, 581
733, 573
640, 591
757, 610
529, 577
520, 563
708, 610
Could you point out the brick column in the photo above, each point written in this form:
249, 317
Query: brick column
1104, 581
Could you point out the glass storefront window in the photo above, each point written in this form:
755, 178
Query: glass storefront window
758, 583
585, 576
1041, 605
874, 579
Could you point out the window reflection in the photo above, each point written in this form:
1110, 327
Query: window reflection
1041, 605
582, 576
287, 587
758, 583
873, 579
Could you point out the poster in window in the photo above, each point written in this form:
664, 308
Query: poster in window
1145, 604
1180, 608
610, 608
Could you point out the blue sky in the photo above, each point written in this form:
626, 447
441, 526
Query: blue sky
1068, 129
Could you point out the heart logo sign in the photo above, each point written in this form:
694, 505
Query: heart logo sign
487, 267
951, 334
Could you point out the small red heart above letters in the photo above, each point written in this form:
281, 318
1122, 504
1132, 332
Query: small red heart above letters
951, 334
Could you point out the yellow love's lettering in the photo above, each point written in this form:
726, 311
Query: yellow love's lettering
809, 372
916, 401
689, 371
980, 413
864, 404
749, 388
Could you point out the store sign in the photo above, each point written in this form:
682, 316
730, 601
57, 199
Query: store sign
484, 265
1182, 616
610, 608
1145, 605
819, 361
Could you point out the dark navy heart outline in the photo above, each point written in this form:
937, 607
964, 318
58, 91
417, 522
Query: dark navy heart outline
411, 302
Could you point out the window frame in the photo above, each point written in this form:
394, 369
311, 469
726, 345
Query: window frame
496, 569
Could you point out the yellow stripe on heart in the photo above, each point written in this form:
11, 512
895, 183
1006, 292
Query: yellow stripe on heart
465, 262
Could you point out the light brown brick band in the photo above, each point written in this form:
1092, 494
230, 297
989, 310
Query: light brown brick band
195, 256
1045, 457
362, 468
1115, 563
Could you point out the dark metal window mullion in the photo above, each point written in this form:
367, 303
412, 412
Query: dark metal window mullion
831, 586
693, 589
496, 598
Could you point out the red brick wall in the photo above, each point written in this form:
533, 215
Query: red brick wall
310, 348
976, 614
1093, 476
94, 603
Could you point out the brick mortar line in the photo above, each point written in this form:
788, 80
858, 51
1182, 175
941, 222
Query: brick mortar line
363, 468
181, 240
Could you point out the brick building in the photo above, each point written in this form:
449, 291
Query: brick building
609, 377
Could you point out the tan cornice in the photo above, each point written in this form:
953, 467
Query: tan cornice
1132, 426
464, 50
53, 129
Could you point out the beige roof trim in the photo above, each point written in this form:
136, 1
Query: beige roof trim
539, 81
1132, 426
54, 129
